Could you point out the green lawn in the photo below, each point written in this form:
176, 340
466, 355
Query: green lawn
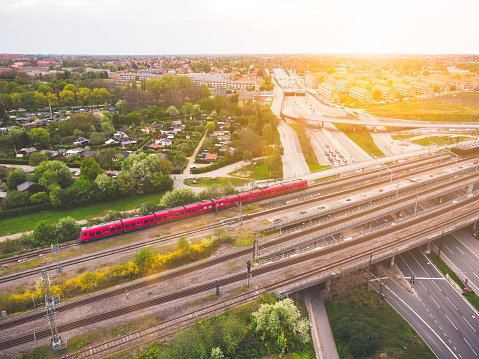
220, 181
426, 111
259, 172
396, 337
306, 147
27, 222
318, 167
361, 137
439, 140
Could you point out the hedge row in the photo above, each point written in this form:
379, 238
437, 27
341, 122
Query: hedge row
25, 210
216, 165
13, 161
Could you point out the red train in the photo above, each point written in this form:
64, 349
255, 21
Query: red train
148, 219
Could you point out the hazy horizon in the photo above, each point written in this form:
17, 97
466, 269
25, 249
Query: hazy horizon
213, 27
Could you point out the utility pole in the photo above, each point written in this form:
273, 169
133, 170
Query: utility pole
59, 268
50, 301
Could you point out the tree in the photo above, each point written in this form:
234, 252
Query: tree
90, 169
125, 184
16, 100
361, 338
67, 98
279, 324
44, 233
41, 100
67, 229
247, 156
97, 138
179, 197
44, 89
210, 126
144, 259
172, 111
377, 95
19, 137
106, 186
84, 95
52, 172
39, 198
53, 99
16, 199
36, 158
39, 135
100, 95
16, 177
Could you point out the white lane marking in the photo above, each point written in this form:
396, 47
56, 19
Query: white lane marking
455, 349
435, 301
448, 249
423, 286
475, 274
440, 327
400, 256
449, 340
460, 250
437, 286
451, 303
469, 346
424, 269
465, 246
422, 320
451, 322
469, 324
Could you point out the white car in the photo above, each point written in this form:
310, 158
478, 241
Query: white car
77, 173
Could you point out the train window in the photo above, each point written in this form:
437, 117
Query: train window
84, 234
112, 229
210, 206
165, 217
152, 220
205, 208
182, 213
105, 231
188, 211
127, 226
98, 233
91, 234
177, 214
193, 210
118, 228
133, 225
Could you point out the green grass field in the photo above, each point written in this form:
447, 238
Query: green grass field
439, 140
259, 172
219, 181
397, 338
306, 147
361, 137
426, 111
27, 222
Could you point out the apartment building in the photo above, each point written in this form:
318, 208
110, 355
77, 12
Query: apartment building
387, 93
443, 85
226, 84
312, 80
329, 91
404, 90
331, 80
361, 94
422, 87
344, 85
366, 84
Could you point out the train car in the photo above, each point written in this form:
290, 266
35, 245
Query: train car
295, 185
466, 150
138, 222
226, 201
273, 190
199, 207
253, 195
100, 231
170, 214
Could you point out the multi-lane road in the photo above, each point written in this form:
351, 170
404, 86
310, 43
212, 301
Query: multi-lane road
443, 318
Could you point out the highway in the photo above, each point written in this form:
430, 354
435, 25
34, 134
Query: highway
460, 251
294, 163
443, 318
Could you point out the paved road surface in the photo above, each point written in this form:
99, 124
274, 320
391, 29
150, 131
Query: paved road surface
442, 317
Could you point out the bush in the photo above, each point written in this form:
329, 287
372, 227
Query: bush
67, 229
361, 338
44, 233
179, 197
16, 199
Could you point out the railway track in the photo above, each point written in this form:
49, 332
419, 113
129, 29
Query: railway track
330, 184
259, 270
329, 194
207, 263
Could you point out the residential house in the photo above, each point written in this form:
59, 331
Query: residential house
73, 152
110, 141
148, 129
344, 85
27, 151
90, 153
422, 87
128, 143
81, 141
24, 186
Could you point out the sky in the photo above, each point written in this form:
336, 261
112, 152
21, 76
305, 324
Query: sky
159, 27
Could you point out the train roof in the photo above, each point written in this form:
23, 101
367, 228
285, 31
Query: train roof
100, 224
466, 149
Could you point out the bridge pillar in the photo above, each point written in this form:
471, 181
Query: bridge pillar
328, 286
440, 199
392, 261
474, 226
469, 189
428, 248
